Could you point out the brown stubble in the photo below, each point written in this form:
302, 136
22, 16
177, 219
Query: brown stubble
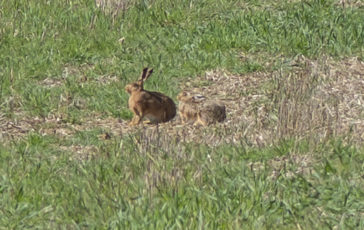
307, 99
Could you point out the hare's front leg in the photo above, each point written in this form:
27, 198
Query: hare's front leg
136, 118
133, 121
182, 118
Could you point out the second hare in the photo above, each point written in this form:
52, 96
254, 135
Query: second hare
200, 111
154, 106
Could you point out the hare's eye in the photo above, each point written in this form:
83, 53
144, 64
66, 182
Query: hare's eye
198, 97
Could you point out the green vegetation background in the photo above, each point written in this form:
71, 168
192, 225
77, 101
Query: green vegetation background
40, 187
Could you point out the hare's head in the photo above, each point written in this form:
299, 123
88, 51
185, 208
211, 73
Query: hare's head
188, 97
138, 85
182, 96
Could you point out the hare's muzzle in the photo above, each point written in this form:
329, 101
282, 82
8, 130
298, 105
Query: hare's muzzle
128, 89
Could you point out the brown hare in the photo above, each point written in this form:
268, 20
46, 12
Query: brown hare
154, 106
198, 110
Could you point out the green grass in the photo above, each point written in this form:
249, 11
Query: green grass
129, 188
129, 183
184, 38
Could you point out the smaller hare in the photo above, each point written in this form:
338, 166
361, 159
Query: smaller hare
198, 110
154, 106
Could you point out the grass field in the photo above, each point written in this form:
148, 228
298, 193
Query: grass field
289, 156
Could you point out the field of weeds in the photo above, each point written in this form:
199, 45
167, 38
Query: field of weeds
289, 155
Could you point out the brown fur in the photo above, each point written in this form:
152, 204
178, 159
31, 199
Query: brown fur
187, 107
198, 110
154, 106
211, 113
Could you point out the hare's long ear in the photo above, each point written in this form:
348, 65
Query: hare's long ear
144, 74
148, 74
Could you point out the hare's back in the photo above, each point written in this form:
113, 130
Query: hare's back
159, 103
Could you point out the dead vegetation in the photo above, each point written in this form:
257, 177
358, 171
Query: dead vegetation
287, 166
80, 75
308, 99
350, 3
114, 7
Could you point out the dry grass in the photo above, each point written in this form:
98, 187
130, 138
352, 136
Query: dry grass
287, 166
315, 99
114, 7
309, 99
350, 3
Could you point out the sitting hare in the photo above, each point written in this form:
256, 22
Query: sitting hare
199, 110
154, 106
